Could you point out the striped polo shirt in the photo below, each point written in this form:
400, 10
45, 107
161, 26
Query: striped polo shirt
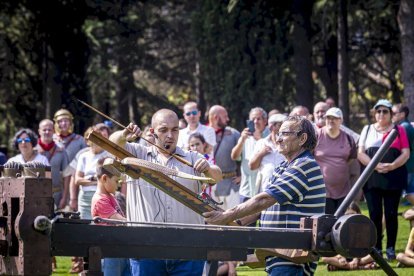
299, 189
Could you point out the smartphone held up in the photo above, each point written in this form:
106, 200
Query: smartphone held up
250, 125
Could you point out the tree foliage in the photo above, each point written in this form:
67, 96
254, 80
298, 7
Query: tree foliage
130, 58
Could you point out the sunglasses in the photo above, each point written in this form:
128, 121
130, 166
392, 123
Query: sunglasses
194, 112
383, 111
21, 140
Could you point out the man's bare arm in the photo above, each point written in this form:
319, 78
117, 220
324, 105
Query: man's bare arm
254, 205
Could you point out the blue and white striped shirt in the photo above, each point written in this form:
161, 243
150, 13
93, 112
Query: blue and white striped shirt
299, 189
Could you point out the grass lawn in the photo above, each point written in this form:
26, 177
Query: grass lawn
403, 232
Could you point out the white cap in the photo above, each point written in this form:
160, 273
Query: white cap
276, 118
334, 112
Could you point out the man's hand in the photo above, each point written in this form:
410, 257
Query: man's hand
62, 204
265, 151
216, 217
245, 134
201, 165
132, 132
236, 179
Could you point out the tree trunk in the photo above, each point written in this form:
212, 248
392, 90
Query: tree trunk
328, 71
343, 60
406, 25
302, 61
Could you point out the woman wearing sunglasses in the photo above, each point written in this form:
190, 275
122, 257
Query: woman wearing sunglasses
384, 187
25, 141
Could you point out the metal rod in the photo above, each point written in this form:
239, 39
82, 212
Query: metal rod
366, 173
182, 160
382, 263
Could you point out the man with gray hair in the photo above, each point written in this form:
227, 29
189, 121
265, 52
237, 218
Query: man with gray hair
296, 190
244, 150
319, 111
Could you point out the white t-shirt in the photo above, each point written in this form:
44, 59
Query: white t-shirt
38, 158
208, 133
269, 162
87, 164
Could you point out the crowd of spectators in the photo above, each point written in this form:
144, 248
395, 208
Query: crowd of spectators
251, 165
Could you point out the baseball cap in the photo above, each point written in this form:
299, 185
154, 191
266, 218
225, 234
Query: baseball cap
101, 126
334, 112
275, 118
383, 102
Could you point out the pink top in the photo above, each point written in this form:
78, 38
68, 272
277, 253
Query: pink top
333, 155
402, 140
104, 206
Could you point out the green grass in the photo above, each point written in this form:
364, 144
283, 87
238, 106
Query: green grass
403, 233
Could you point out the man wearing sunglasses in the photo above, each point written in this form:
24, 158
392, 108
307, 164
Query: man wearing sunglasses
400, 116
192, 117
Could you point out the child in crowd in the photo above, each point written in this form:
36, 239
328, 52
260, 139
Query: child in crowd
105, 205
339, 262
197, 142
406, 259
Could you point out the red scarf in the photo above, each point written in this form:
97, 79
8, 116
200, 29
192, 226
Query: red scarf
46, 147
219, 130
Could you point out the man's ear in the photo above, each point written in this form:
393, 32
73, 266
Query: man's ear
303, 138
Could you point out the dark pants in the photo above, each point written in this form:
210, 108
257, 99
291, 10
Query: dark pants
376, 198
332, 205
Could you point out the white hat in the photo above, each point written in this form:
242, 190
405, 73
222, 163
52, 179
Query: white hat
334, 112
383, 102
276, 118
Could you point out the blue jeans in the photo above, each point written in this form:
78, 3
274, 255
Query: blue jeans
288, 270
410, 184
144, 267
116, 267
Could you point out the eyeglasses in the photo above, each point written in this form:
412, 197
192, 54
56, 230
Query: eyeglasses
21, 140
383, 111
194, 112
287, 133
